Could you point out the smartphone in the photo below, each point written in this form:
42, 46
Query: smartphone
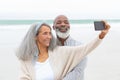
99, 25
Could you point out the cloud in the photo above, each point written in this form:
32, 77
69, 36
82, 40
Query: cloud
36, 9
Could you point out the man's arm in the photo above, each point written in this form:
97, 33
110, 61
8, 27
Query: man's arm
78, 72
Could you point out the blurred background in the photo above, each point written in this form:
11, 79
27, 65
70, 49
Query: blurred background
16, 16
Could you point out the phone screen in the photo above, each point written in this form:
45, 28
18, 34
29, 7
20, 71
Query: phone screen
99, 25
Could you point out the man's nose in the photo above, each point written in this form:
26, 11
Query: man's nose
63, 24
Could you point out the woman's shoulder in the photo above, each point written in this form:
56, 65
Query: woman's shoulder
63, 47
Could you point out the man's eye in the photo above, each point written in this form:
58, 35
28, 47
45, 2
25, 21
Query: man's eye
66, 22
58, 23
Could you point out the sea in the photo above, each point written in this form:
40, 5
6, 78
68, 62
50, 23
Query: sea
102, 64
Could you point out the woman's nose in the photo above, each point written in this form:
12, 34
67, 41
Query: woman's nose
49, 36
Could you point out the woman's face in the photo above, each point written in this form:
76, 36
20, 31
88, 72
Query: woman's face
44, 36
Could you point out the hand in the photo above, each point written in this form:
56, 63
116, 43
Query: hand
105, 31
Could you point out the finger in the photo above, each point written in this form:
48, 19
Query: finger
105, 23
107, 26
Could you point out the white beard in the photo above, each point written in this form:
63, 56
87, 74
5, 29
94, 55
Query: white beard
62, 35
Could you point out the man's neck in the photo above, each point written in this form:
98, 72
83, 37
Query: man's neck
62, 40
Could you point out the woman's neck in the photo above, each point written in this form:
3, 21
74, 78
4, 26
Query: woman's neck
43, 54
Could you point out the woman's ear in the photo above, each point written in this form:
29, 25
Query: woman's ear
36, 38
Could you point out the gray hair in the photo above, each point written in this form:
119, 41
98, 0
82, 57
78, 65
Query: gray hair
28, 48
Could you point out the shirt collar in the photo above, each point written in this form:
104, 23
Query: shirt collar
67, 40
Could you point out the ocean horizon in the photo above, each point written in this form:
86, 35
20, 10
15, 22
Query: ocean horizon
50, 21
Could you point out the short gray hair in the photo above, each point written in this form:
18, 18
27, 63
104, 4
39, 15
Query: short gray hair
28, 48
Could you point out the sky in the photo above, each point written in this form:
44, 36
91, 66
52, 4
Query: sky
49, 9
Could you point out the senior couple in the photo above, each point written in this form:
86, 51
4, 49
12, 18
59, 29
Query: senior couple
43, 57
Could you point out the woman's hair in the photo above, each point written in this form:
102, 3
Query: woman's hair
28, 48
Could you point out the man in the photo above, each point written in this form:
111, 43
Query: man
61, 26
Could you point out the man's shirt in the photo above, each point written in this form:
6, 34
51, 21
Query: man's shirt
78, 72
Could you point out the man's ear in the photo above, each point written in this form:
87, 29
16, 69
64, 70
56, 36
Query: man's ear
53, 27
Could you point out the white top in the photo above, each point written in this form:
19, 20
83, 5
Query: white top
44, 71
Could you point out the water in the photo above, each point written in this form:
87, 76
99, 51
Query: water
28, 22
103, 63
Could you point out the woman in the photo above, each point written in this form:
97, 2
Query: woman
42, 59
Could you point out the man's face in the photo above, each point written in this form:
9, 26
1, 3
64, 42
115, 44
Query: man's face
62, 27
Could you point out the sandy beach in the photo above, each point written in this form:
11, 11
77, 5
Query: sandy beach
103, 63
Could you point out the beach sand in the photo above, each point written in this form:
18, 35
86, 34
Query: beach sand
103, 63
